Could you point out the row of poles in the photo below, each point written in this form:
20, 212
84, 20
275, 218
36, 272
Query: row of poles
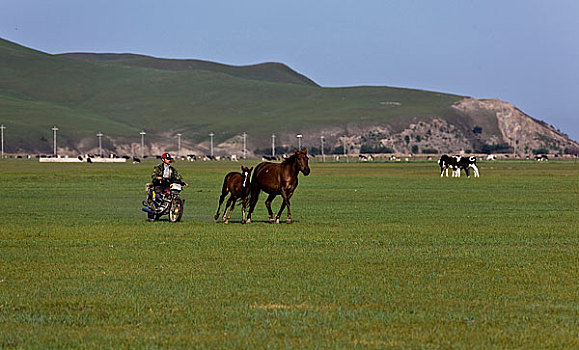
211, 135
142, 133
54, 129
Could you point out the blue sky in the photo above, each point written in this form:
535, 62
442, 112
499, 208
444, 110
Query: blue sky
524, 52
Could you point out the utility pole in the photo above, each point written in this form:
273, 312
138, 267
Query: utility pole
299, 136
273, 145
143, 133
55, 129
345, 149
2, 127
323, 155
211, 149
244, 145
179, 145
100, 135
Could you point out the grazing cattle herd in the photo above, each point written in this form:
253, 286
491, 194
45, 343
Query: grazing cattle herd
456, 164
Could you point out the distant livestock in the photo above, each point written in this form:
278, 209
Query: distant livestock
365, 158
266, 157
456, 164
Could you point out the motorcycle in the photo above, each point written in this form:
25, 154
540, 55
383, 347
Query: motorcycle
166, 202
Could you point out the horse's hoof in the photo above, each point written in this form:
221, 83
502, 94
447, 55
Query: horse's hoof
216, 217
271, 221
277, 221
226, 222
248, 221
288, 221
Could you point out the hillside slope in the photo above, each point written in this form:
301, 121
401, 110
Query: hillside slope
272, 72
122, 94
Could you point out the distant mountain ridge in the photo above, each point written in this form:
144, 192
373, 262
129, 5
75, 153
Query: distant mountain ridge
270, 71
121, 95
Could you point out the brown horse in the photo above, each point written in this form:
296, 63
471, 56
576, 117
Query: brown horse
278, 179
238, 184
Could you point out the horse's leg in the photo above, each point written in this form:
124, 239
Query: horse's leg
228, 208
233, 201
221, 198
282, 207
268, 206
289, 212
243, 209
252, 202
286, 197
227, 204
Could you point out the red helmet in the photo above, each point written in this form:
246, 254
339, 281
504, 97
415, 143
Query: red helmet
166, 156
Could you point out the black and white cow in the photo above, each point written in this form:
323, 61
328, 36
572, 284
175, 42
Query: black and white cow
446, 162
456, 164
466, 163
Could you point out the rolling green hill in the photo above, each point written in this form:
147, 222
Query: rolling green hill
273, 72
122, 94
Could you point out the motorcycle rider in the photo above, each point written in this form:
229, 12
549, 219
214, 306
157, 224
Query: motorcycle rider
165, 173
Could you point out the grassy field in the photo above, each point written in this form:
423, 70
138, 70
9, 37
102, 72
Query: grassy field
379, 255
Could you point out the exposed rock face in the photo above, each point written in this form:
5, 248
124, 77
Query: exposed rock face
517, 129
430, 136
506, 129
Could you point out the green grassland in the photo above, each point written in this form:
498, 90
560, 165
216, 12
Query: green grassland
380, 255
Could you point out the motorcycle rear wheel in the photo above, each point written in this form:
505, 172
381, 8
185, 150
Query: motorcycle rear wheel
176, 211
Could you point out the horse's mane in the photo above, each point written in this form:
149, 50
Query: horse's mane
291, 159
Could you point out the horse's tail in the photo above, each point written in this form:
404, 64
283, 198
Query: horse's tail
224, 188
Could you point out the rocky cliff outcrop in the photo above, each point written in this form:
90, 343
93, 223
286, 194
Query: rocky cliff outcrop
483, 125
521, 132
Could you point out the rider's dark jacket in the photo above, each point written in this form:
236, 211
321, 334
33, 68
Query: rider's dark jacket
160, 169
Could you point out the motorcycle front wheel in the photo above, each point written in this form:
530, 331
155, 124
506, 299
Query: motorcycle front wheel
176, 211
